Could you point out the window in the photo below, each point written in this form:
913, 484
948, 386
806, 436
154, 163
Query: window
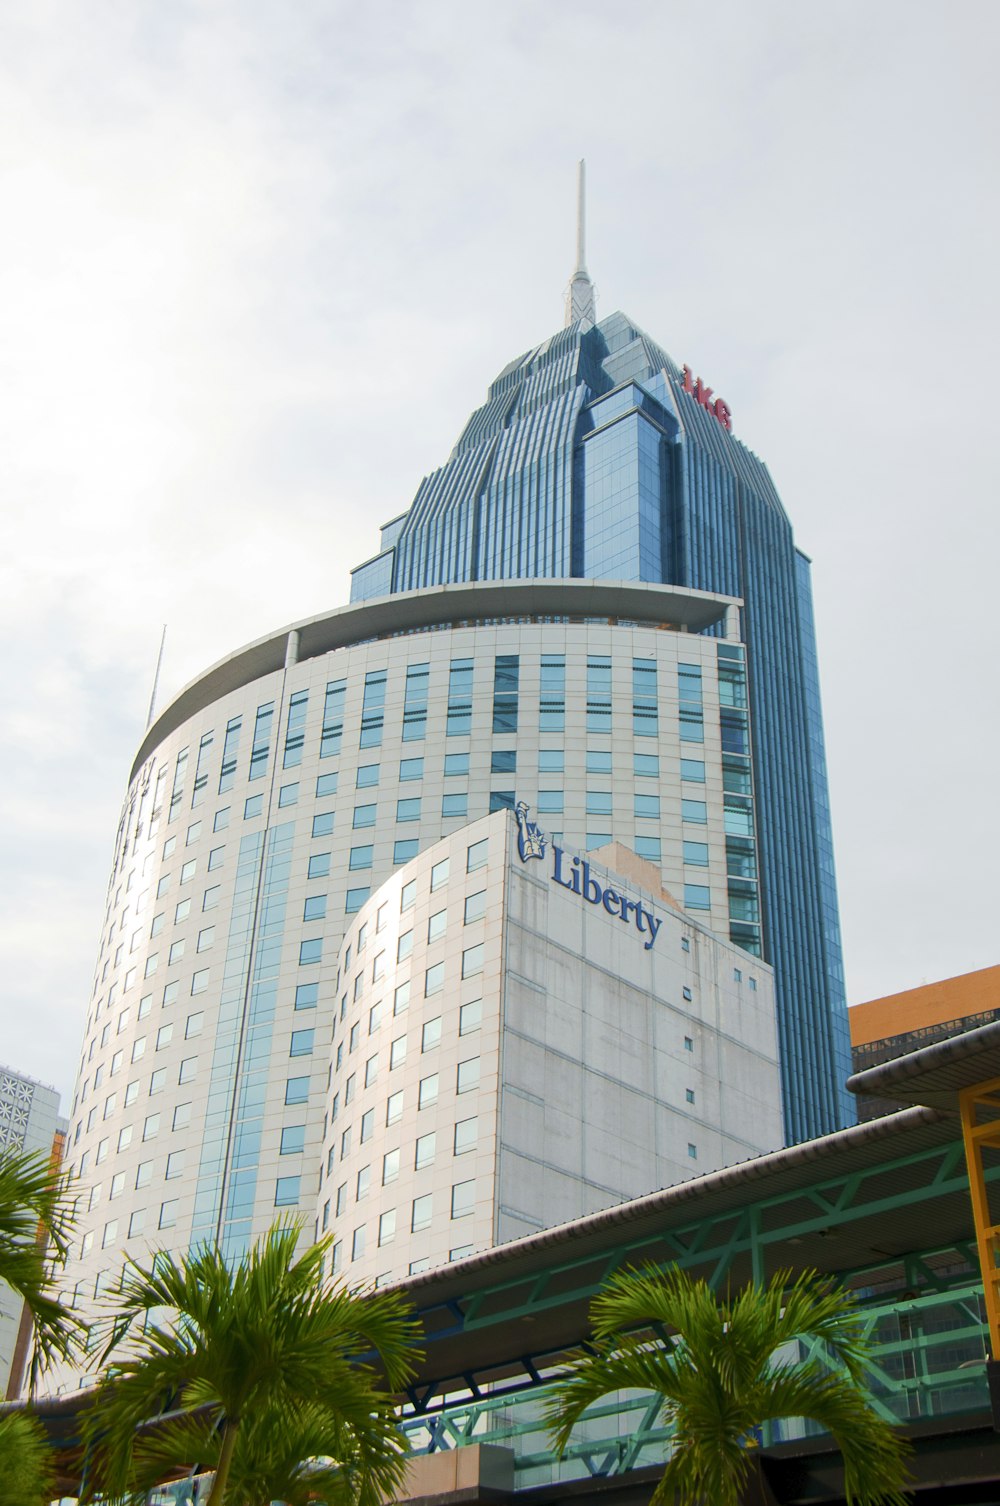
387, 1227
472, 960
598, 762
302, 1043
176, 952
216, 858
211, 897
306, 995
431, 1034
454, 805
404, 946
463, 1199
686, 993
341, 1199
355, 899
322, 825
117, 1185
407, 895
477, 855
694, 810
314, 907
182, 1116
409, 809
125, 1137
326, 784
194, 1025
427, 1092
410, 768
436, 925
648, 848
367, 776
221, 819
311, 951
425, 1151
434, 979
692, 724
696, 854
551, 761
439, 873
646, 765
143, 1174
394, 1107
297, 1090
598, 802
293, 1139
373, 709
288, 794
689, 1095
361, 857
753, 985
253, 807
503, 761
199, 981
693, 769
319, 865
401, 998
470, 1017
364, 815
415, 703
390, 1167
697, 897
552, 694
466, 1135
205, 939
692, 1151
151, 1126
685, 943
367, 1126
688, 1043
423, 1210
157, 1081
460, 698
397, 1053
405, 850
550, 802
505, 688
286, 1192
467, 1076
138, 1048
502, 800
371, 1070
647, 806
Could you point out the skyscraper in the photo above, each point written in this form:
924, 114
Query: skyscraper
595, 608
596, 456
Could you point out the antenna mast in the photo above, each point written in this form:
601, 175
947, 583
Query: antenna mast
156, 677
581, 303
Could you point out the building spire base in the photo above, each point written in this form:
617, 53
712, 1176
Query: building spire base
581, 299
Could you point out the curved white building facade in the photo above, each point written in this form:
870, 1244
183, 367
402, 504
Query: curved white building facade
282, 788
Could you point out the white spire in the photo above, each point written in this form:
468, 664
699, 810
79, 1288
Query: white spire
580, 300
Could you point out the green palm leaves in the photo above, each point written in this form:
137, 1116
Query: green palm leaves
720, 1372
35, 1225
262, 1369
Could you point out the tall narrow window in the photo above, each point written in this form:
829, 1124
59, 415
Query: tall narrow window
415, 702
373, 709
261, 748
505, 685
230, 748
644, 712
333, 719
460, 698
295, 729
552, 707
180, 770
598, 695
201, 769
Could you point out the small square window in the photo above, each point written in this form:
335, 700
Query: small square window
367, 775
405, 850
692, 1151
397, 1053
364, 815
470, 1017
551, 761
211, 897
472, 960
355, 899
466, 1135
188, 1069
195, 1024
408, 810
390, 1167
288, 795
319, 865
314, 907
425, 1151
475, 907
401, 998
394, 1107
598, 762
322, 824
697, 897
688, 1043
410, 768
454, 805
693, 769
427, 1093
205, 939
311, 951
367, 1126
252, 807
182, 1116
293, 1139
361, 857
387, 1227
221, 819
423, 1212
463, 1199
467, 1076
646, 765
431, 1034
694, 810
455, 764
434, 979
326, 784
151, 1126
436, 925
689, 1095
286, 1192
439, 873
306, 995
302, 1043
199, 981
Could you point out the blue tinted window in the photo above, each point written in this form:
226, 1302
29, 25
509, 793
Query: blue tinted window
355, 899
694, 810
333, 718
599, 802
302, 1042
693, 769
361, 857
295, 728
646, 765
319, 865
696, 854
367, 774
293, 1139
312, 950
454, 805
297, 1090
408, 810
415, 703
314, 907
692, 725
253, 807
322, 824
286, 1192
598, 762
326, 784
597, 839
403, 851
288, 794
456, 763
647, 805
550, 802
502, 800
697, 897
410, 768
648, 847
364, 815
551, 761
503, 761
306, 995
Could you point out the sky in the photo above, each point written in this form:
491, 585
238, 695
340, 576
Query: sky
260, 261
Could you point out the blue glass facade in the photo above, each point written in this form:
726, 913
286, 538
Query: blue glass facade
590, 458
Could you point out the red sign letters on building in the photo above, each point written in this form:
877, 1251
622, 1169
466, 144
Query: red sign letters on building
704, 395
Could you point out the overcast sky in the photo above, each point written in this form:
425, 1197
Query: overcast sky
259, 261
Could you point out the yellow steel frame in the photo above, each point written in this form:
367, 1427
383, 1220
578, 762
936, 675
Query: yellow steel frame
979, 1107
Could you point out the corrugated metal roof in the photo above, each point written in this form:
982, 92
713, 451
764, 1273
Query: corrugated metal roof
936, 1074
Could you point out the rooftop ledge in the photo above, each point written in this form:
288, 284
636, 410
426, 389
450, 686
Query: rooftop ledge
445, 606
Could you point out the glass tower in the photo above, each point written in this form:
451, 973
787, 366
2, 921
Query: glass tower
595, 456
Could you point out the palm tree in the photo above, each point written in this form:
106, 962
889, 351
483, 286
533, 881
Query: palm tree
27, 1473
36, 1221
717, 1369
215, 1365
